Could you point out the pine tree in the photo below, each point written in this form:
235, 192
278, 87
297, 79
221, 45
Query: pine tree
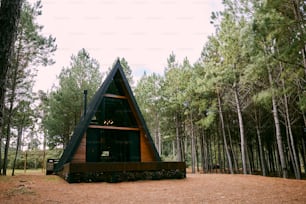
64, 104
9, 17
31, 49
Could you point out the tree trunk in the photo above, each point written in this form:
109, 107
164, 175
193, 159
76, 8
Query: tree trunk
0, 155
13, 77
157, 137
6, 147
271, 160
261, 154
210, 154
291, 165
303, 153
203, 144
291, 142
20, 130
233, 153
275, 160
160, 150
9, 18
44, 154
250, 158
8, 125
173, 148
25, 162
229, 159
197, 160
277, 129
184, 144
193, 152
197, 154
178, 141
304, 119
241, 128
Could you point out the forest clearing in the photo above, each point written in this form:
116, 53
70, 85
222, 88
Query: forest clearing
236, 105
196, 188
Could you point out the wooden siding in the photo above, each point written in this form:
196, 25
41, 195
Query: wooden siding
145, 149
80, 154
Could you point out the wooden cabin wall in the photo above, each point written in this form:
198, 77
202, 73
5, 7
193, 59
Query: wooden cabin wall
80, 154
147, 154
145, 148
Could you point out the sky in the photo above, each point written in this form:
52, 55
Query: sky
144, 32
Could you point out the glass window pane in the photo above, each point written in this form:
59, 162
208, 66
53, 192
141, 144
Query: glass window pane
115, 87
115, 112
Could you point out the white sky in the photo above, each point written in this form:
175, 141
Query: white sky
144, 32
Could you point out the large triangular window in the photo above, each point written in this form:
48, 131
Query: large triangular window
115, 112
115, 86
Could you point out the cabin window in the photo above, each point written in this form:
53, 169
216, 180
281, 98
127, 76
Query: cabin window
115, 112
112, 145
115, 87
114, 135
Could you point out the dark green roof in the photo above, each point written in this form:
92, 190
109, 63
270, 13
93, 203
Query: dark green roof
116, 72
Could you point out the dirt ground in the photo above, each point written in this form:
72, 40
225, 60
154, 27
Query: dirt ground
196, 188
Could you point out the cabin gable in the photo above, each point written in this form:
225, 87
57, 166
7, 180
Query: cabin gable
112, 142
112, 128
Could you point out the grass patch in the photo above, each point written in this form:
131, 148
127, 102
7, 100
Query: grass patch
53, 178
27, 172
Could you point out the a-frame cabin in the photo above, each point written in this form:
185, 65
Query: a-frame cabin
112, 142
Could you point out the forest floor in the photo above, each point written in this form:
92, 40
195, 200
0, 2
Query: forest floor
196, 188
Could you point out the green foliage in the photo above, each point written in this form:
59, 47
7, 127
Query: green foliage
64, 105
263, 98
31, 49
38, 49
302, 103
209, 118
33, 158
126, 69
257, 52
147, 93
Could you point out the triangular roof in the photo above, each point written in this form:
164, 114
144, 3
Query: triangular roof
85, 120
